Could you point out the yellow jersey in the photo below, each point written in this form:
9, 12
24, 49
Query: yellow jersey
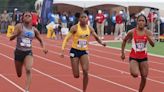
81, 38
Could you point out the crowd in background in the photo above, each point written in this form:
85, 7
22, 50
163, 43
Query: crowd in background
117, 23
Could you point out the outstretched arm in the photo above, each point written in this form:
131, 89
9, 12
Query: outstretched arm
66, 39
16, 32
128, 36
37, 35
149, 36
96, 36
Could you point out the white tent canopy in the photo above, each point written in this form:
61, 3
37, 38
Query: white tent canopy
87, 3
126, 3
91, 3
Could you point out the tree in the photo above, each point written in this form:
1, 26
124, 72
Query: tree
22, 5
3, 5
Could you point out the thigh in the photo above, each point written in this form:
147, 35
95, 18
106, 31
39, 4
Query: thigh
75, 65
84, 61
144, 68
28, 62
18, 66
19, 56
134, 67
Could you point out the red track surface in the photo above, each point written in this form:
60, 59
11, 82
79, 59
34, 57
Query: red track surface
53, 74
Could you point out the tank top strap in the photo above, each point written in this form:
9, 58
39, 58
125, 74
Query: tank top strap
33, 28
144, 32
78, 26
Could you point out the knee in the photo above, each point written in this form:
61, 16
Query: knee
76, 76
19, 74
28, 71
85, 73
135, 75
144, 77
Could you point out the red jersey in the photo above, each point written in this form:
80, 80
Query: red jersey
100, 18
151, 17
34, 19
119, 19
139, 46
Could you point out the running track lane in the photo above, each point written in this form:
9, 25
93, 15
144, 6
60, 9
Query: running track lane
159, 66
113, 76
40, 82
101, 83
158, 76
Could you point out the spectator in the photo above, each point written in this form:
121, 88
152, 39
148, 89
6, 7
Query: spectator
106, 22
100, 24
63, 19
113, 20
77, 15
162, 26
151, 20
133, 22
4, 21
125, 18
119, 28
16, 16
71, 20
51, 17
34, 19
91, 19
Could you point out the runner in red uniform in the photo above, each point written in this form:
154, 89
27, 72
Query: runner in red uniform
138, 56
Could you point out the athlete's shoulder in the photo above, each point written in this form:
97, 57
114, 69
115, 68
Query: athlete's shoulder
74, 28
18, 25
148, 32
90, 28
131, 31
34, 28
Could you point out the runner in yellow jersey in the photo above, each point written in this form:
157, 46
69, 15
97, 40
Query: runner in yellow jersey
78, 53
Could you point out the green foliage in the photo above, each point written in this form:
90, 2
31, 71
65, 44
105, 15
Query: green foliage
3, 5
22, 5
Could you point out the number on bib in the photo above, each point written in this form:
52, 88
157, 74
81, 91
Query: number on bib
140, 46
82, 44
25, 42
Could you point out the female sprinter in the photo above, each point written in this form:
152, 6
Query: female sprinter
78, 53
25, 33
138, 56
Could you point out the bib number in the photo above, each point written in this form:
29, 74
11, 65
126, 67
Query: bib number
140, 46
25, 42
82, 44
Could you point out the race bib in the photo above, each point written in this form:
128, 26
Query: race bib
82, 43
140, 46
25, 42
